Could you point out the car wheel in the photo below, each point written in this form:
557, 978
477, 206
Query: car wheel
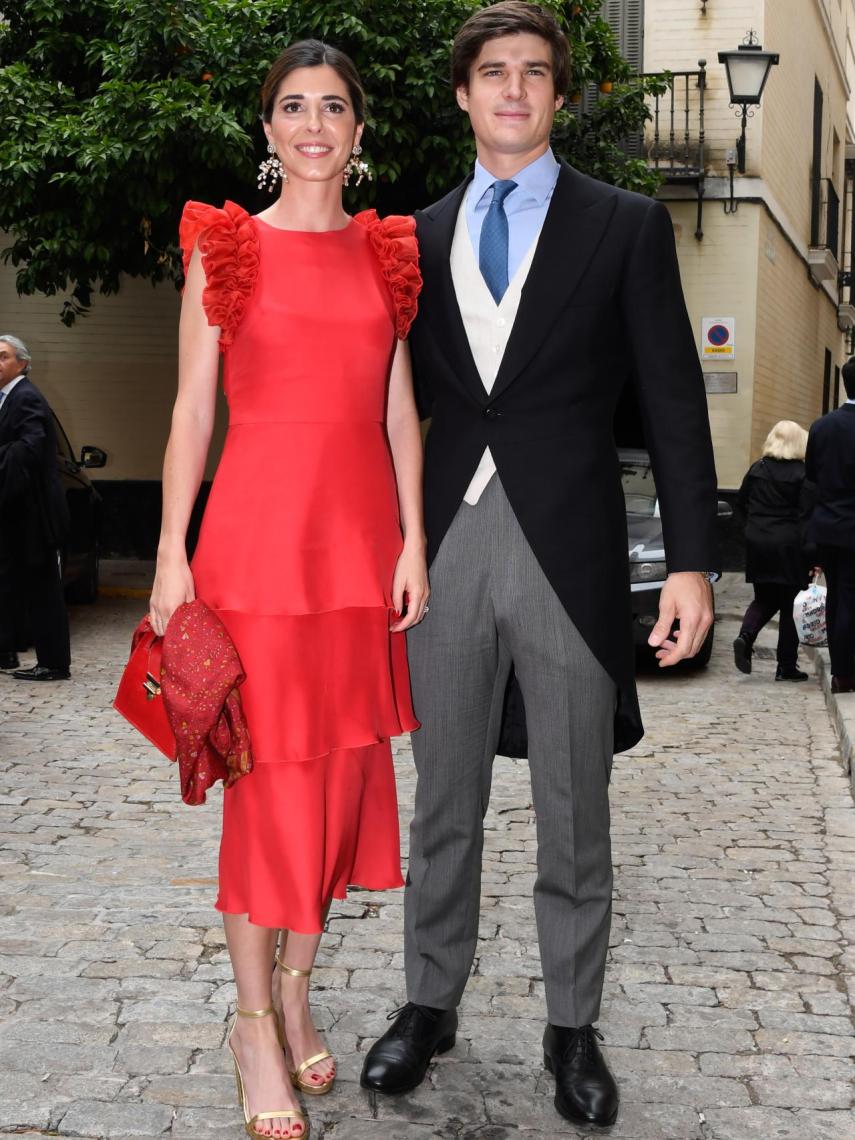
85, 589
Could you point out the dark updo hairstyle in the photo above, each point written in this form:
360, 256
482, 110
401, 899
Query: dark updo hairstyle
312, 53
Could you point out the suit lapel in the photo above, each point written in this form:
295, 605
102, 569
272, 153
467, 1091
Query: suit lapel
6, 417
444, 311
575, 223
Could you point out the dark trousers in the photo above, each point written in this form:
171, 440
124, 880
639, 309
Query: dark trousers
772, 598
838, 562
35, 594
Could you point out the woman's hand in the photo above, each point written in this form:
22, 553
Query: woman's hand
410, 585
173, 585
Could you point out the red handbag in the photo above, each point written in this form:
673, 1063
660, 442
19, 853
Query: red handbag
139, 698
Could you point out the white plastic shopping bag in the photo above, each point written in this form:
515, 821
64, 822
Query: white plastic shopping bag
809, 615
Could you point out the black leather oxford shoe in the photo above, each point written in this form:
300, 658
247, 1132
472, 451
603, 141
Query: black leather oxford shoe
9, 661
585, 1090
41, 673
398, 1061
782, 674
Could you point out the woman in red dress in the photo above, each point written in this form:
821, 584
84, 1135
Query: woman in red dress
311, 551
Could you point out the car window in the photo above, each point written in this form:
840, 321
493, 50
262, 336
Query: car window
63, 447
639, 490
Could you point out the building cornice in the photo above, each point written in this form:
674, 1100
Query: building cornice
756, 191
835, 49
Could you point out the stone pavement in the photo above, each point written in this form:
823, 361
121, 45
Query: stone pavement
729, 994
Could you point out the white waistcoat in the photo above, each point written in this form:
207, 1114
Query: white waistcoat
488, 325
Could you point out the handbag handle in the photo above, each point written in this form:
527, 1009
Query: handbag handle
154, 653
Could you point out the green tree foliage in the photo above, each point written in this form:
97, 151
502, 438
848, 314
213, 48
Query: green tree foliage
113, 114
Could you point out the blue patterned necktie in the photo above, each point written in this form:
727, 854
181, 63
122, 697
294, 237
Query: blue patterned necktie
493, 246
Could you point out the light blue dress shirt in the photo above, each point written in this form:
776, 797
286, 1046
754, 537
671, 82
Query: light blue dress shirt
525, 206
7, 388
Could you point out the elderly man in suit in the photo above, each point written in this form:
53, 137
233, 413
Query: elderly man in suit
33, 521
830, 466
545, 293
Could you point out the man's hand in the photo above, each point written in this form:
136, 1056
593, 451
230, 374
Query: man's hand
687, 596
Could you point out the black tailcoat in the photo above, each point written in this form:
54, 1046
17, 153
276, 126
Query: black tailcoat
33, 512
602, 307
830, 463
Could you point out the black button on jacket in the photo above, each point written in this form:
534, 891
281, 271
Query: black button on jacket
602, 307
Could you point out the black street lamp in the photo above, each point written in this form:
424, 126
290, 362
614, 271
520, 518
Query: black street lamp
747, 71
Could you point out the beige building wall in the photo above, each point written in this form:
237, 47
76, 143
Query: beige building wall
719, 280
111, 378
795, 325
753, 264
803, 36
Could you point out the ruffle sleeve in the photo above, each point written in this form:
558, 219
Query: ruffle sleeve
228, 241
394, 242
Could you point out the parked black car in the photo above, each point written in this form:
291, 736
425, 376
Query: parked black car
647, 568
80, 556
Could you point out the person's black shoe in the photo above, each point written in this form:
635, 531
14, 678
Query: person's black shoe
843, 684
585, 1090
782, 674
41, 673
742, 650
397, 1061
9, 661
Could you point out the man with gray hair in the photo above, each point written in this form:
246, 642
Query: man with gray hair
33, 521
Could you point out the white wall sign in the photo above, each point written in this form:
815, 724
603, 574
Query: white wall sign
718, 338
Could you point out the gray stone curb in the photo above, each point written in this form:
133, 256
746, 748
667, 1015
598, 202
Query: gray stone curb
841, 707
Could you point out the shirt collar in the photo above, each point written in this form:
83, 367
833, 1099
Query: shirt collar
537, 180
7, 388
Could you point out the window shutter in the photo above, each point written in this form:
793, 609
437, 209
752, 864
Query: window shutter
626, 19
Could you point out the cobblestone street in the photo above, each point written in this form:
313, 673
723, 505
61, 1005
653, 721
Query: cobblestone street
729, 992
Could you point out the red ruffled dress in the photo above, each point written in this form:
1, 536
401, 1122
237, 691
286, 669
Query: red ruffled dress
298, 549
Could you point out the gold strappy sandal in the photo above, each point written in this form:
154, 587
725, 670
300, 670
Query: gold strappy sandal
297, 1076
285, 1113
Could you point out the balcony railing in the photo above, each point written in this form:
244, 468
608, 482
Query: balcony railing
825, 216
674, 143
824, 248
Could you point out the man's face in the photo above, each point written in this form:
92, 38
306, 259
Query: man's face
511, 98
10, 365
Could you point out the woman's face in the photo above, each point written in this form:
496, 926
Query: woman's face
313, 127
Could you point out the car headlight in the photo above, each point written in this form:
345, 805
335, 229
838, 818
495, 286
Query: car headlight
648, 571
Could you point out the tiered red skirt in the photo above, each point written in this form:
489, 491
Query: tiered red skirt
306, 598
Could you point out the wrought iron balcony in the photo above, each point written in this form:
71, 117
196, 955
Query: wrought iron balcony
673, 144
675, 148
825, 215
824, 249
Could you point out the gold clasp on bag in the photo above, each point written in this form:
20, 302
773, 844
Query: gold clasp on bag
151, 686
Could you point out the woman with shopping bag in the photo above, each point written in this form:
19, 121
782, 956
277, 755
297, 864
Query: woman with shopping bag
775, 499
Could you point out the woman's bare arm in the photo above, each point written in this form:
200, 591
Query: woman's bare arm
187, 448
402, 425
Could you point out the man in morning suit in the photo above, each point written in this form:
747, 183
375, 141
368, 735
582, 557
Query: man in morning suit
830, 465
545, 292
33, 521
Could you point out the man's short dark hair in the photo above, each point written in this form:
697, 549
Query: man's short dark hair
510, 18
848, 374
